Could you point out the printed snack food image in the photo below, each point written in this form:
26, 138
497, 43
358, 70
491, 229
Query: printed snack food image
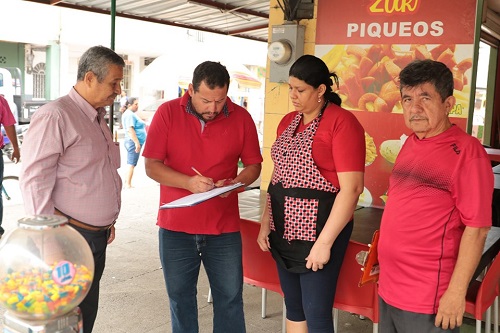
369, 75
389, 149
371, 150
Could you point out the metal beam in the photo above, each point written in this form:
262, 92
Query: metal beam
228, 8
257, 27
235, 33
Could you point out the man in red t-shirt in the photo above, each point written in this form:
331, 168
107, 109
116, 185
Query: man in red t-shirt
194, 143
438, 211
8, 121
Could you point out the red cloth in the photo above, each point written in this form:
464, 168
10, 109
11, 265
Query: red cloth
177, 138
339, 144
438, 186
6, 116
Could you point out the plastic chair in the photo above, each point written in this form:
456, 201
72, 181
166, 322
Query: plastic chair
259, 268
349, 296
481, 295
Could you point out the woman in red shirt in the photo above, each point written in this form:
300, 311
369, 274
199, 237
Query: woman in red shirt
319, 157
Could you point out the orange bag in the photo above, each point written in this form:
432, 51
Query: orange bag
369, 261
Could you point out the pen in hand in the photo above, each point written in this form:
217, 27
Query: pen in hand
199, 174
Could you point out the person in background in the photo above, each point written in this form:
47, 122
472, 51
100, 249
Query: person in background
71, 162
124, 103
319, 161
135, 136
124, 99
9, 124
202, 131
438, 211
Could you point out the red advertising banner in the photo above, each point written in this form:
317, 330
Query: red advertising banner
367, 43
396, 22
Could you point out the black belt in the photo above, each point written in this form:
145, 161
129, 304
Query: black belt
82, 225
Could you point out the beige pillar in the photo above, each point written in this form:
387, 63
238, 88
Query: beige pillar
277, 103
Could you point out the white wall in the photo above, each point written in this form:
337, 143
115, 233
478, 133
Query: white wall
21, 21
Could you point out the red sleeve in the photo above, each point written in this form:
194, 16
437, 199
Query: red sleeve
473, 198
339, 143
348, 144
6, 116
158, 131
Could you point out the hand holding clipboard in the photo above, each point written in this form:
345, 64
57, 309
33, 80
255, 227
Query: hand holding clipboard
196, 198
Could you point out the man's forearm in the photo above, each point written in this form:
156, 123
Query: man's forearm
249, 174
469, 255
12, 135
158, 171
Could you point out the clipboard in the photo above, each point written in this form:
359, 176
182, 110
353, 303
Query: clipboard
196, 198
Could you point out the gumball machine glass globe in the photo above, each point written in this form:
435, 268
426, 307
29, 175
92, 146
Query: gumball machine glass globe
46, 268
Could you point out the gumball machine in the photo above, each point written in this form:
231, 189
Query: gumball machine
46, 270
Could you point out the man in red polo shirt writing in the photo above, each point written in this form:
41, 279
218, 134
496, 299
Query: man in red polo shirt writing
206, 131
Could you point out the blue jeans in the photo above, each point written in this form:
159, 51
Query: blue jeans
1, 196
132, 156
181, 255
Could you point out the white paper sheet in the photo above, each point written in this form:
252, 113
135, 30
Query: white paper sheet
196, 198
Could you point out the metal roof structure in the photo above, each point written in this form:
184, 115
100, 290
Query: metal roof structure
240, 18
